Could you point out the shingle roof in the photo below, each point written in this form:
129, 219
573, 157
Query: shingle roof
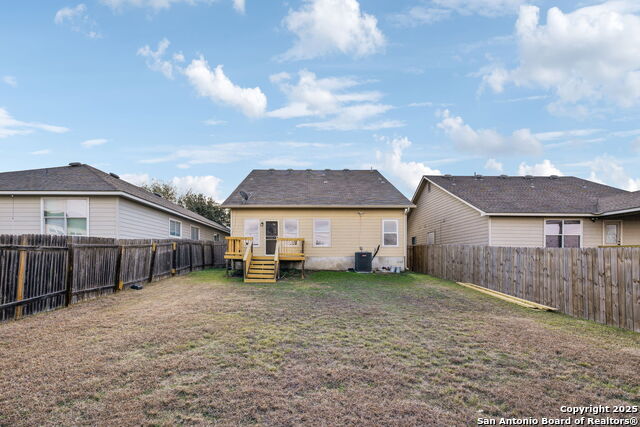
87, 178
511, 194
357, 188
619, 202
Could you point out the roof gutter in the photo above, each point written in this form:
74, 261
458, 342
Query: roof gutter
113, 193
230, 206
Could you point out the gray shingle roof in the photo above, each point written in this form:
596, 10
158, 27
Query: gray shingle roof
357, 188
87, 178
495, 194
619, 202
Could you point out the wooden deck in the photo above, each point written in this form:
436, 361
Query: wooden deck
265, 269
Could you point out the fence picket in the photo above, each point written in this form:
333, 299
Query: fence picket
599, 284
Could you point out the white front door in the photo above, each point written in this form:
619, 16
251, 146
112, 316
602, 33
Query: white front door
613, 233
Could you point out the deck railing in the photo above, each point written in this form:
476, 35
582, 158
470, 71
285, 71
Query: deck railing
246, 258
291, 248
236, 246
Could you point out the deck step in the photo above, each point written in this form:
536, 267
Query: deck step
260, 280
263, 263
270, 258
260, 276
270, 272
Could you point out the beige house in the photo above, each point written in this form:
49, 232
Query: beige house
322, 216
83, 201
523, 211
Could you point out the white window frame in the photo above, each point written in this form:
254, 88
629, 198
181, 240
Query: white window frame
179, 222
193, 227
397, 233
65, 199
434, 237
284, 227
314, 233
216, 237
544, 232
256, 239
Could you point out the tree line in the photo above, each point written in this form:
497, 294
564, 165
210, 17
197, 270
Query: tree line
195, 202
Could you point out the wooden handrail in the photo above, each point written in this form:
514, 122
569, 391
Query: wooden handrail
246, 259
276, 258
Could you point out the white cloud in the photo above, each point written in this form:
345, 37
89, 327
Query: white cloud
89, 143
549, 136
419, 15
494, 165
546, 168
10, 126
439, 10
155, 59
158, 5
212, 154
78, 20
10, 80
324, 27
215, 85
214, 122
591, 54
608, 170
41, 152
331, 98
208, 185
239, 5
138, 179
488, 141
409, 172
285, 162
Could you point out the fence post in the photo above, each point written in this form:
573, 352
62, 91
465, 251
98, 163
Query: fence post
22, 269
154, 247
69, 270
119, 282
174, 258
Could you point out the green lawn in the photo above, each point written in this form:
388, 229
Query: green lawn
336, 348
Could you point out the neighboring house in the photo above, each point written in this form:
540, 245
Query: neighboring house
523, 211
84, 201
336, 212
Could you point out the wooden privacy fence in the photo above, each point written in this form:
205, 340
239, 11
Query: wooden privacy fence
599, 284
42, 272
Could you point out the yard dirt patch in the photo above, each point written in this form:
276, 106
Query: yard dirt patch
334, 349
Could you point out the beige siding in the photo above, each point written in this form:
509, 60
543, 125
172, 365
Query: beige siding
138, 221
631, 231
22, 215
349, 230
529, 231
453, 221
102, 216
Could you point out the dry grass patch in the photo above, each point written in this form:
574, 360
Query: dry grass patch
337, 348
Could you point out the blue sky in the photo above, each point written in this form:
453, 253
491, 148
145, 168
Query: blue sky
200, 92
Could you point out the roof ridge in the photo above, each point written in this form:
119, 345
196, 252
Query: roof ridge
98, 173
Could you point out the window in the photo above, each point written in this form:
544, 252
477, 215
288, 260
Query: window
290, 228
321, 233
560, 233
68, 217
414, 241
195, 233
390, 232
216, 237
252, 229
431, 238
175, 228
